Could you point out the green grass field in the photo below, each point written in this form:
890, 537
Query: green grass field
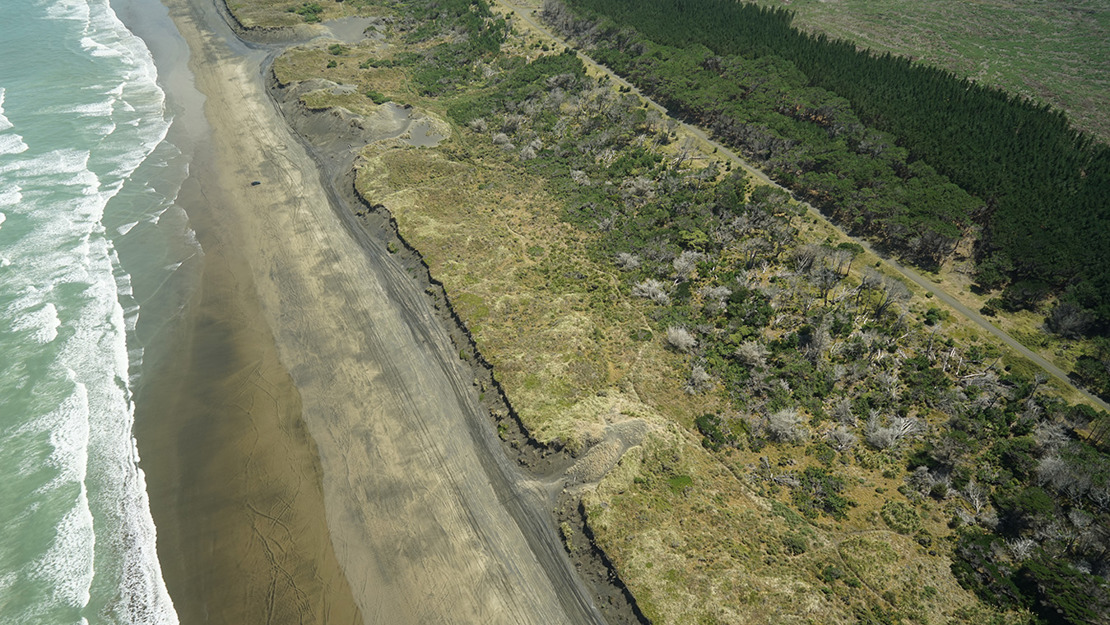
1055, 52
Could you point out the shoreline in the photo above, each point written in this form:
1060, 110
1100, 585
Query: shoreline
426, 525
232, 476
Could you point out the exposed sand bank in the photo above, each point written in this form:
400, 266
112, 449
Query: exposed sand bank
430, 522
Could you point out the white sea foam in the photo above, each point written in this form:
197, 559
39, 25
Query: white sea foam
144, 599
102, 108
9, 143
69, 161
66, 567
123, 281
69, 437
73, 300
42, 322
68, 429
10, 195
145, 593
68, 564
95, 48
12, 144
71, 10
5, 123
131, 320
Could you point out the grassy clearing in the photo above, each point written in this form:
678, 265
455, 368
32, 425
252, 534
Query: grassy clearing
279, 13
554, 325
350, 69
714, 552
1057, 53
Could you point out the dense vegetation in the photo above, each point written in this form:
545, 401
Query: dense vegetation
475, 36
1044, 215
1093, 371
814, 356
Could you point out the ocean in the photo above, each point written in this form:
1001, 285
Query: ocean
96, 261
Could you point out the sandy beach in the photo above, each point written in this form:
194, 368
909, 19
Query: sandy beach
320, 454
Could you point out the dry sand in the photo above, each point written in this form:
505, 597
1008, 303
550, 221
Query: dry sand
429, 521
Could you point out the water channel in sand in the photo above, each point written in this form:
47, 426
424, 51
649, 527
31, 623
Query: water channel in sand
427, 521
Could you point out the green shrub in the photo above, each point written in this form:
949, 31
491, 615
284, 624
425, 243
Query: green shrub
900, 517
796, 544
713, 436
1064, 594
822, 452
832, 573
935, 315
310, 11
820, 493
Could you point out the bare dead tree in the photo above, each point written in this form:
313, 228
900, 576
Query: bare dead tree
842, 410
892, 291
921, 480
975, 495
1021, 549
752, 353
841, 439
685, 264
825, 278
805, 256
885, 437
681, 339
714, 298
785, 426
841, 261
628, 261
870, 281
698, 381
653, 290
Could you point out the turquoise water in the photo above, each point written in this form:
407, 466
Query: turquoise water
94, 259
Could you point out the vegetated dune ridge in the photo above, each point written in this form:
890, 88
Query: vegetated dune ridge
429, 521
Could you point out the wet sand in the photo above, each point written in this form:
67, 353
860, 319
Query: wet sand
233, 476
317, 451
